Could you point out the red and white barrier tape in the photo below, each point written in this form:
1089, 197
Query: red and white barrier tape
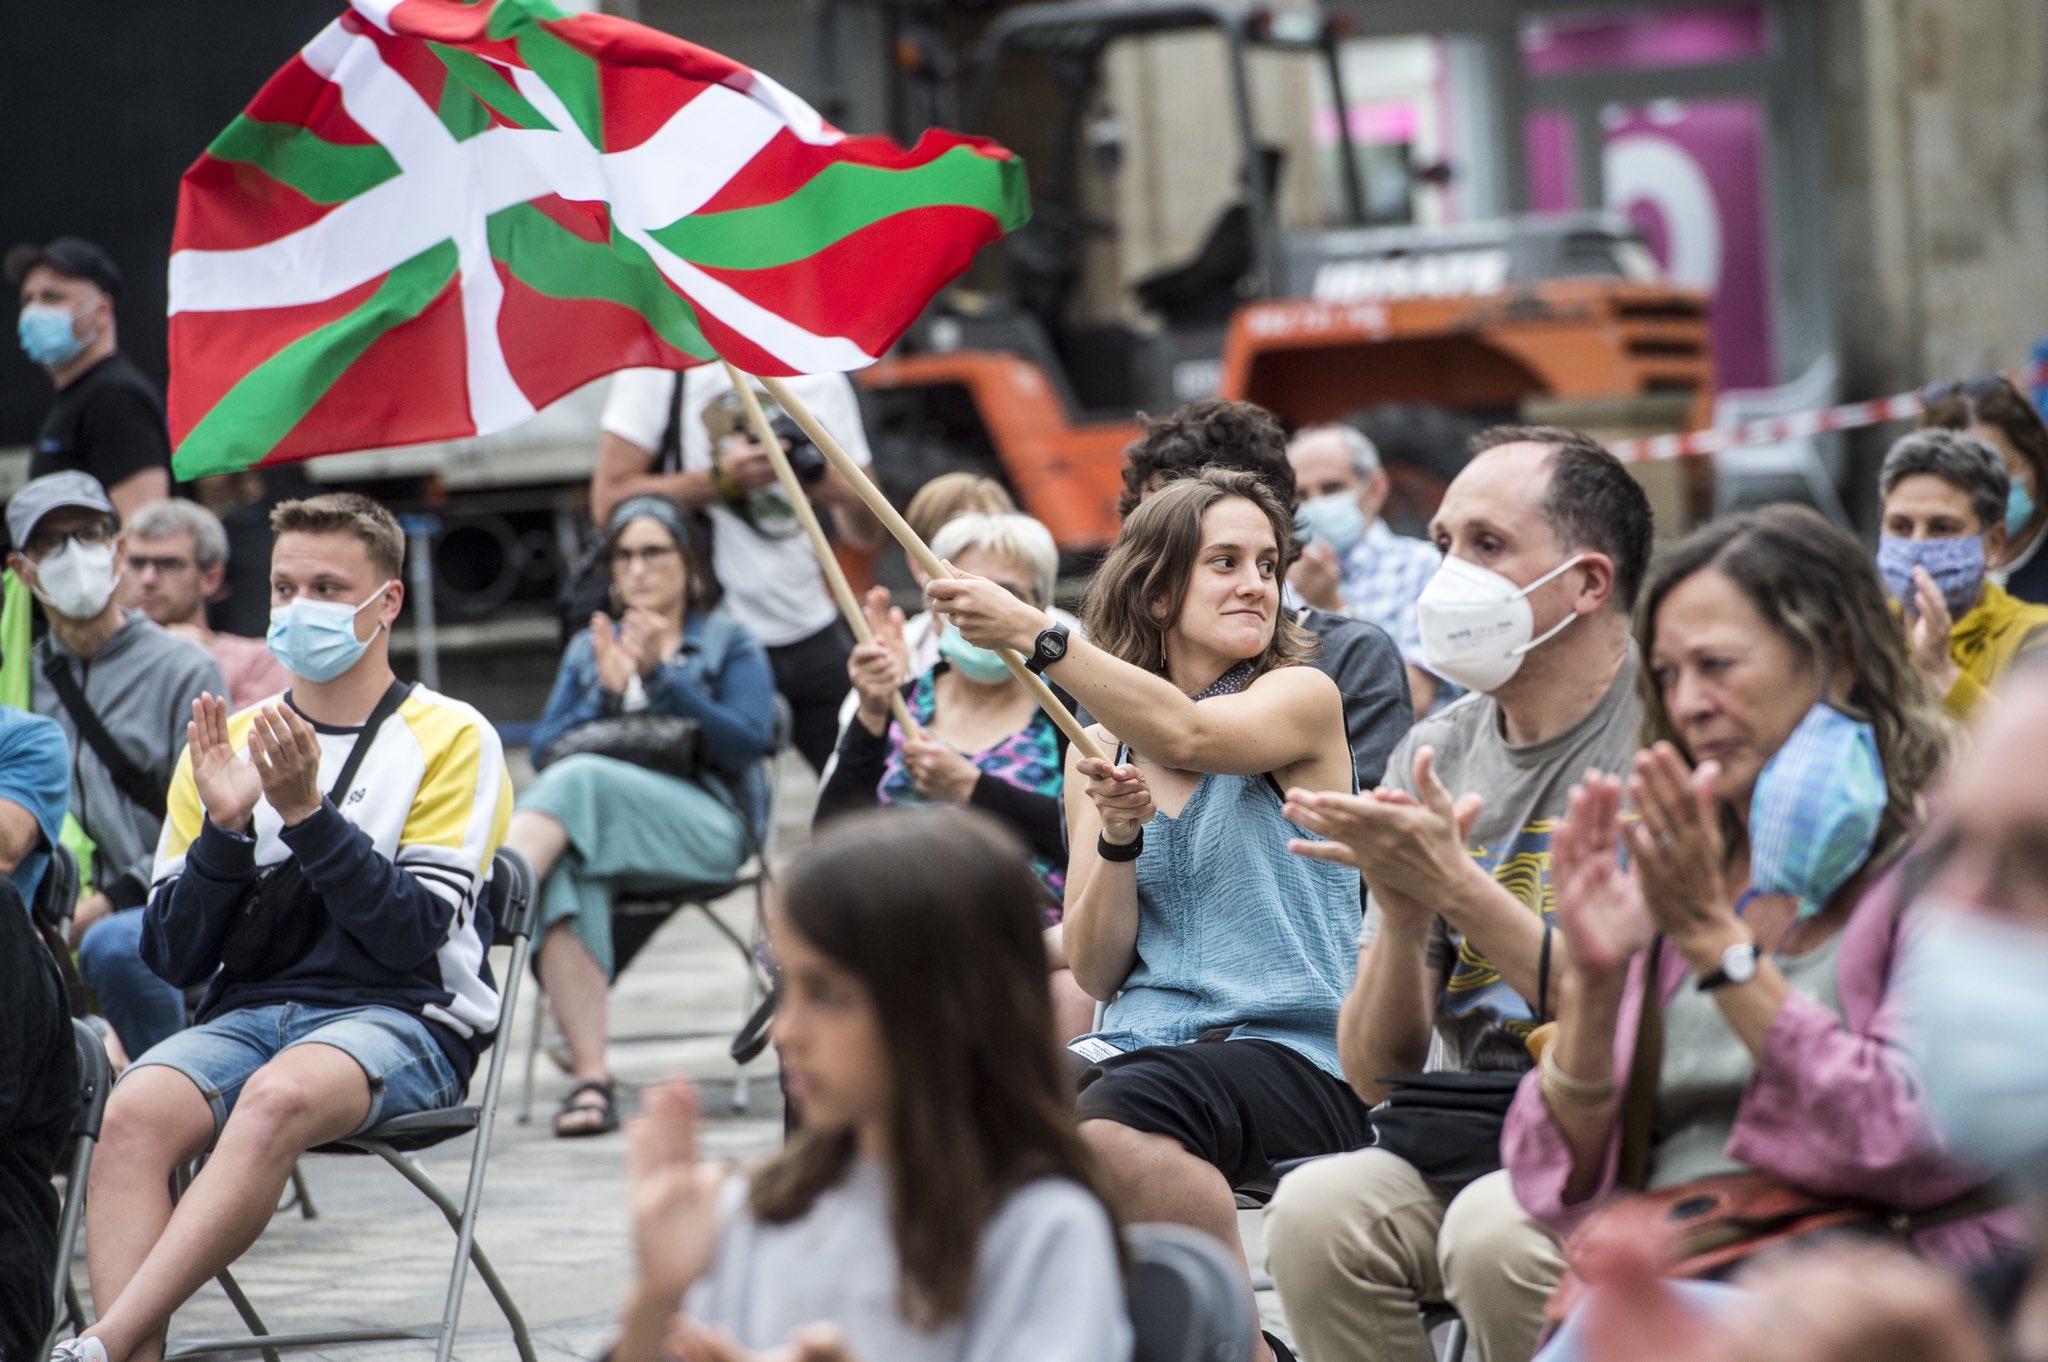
1850, 416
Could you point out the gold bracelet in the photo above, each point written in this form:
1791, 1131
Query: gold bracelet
1567, 1091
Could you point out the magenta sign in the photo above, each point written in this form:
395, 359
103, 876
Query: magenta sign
1691, 174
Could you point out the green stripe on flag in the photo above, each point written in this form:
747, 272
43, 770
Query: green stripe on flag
509, 16
571, 75
840, 200
552, 260
267, 402
488, 85
325, 172
461, 112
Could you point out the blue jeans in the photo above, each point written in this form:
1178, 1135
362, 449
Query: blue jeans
141, 1008
407, 1069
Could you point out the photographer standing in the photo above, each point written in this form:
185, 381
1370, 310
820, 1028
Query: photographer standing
694, 447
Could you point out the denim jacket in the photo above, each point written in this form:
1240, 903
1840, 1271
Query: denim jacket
719, 677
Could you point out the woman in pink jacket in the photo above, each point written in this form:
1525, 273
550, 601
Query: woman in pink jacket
1788, 742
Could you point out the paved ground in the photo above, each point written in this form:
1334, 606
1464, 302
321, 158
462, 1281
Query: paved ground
553, 1214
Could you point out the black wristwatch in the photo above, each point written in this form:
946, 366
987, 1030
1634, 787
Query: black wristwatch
1738, 966
1050, 648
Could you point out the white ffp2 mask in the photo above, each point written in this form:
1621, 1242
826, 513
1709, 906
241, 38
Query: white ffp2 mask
1477, 625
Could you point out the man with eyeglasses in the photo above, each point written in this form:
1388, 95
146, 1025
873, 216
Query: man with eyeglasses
122, 690
177, 560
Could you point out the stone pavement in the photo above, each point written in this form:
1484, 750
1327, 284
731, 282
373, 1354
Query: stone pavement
554, 1211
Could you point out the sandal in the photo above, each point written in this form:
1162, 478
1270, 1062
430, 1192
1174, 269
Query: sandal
604, 1109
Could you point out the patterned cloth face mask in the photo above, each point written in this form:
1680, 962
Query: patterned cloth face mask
1814, 813
1956, 564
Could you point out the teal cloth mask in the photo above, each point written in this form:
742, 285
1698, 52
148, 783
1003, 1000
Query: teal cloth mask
1335, 520
2019, 508
317, 640
1974, 1000
1814, 813
983, 666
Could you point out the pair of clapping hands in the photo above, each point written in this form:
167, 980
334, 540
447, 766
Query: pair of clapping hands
674, 1199
628, 648
282, 766
879, 671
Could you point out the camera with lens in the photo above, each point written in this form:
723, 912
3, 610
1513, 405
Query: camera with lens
805, 458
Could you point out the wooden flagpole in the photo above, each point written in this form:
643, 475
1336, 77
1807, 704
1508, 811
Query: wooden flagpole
857, 477
807, 516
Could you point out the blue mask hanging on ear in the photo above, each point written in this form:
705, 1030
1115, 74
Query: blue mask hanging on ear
1814, 813
983, 666
2019, 509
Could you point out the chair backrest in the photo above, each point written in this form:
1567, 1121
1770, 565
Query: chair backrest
95, 1078
1187, 1298
514, 898
782, 736
57, 895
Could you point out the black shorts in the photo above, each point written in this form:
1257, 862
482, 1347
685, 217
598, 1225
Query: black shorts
1242, 1105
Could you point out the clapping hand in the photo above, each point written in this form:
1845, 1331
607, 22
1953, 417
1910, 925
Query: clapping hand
1600, 909
1677, 848
1122, 798
939, 772
673, 1195
879, 668
228, 785
1411, 849
1927, 636
285, 751
1316, 577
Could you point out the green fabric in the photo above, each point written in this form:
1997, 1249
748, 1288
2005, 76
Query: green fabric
325, 172
631, 830
16, 612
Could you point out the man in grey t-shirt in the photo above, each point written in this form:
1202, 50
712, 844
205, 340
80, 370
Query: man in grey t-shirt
1546, 539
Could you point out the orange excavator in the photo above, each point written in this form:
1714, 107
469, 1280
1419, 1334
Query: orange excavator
1419, 335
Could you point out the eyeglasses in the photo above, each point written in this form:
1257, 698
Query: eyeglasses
1976, 389
43, 543
622, 558
139, 563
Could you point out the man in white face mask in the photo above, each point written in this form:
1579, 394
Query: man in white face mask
122, 689
1545, 539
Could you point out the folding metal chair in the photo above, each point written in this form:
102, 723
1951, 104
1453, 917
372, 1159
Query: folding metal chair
95, 1077
513, 901
636, 917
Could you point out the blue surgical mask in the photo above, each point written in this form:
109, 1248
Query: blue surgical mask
2019, 508
47, 336
1335, 520
983, 666
1973, 991
1956, 565
317, 640
1814, 813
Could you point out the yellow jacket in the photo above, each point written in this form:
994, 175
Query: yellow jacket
1984, 643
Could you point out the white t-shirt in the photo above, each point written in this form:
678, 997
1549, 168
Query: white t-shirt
772, 582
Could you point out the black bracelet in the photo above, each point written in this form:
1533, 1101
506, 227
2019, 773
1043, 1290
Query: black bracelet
1113, 851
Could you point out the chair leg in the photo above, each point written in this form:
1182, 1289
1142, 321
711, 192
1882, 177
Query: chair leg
302, 1195
247, 1311
1454, 1342
525, 1113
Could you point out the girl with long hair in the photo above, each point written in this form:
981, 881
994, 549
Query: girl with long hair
1184, 910
937, 1202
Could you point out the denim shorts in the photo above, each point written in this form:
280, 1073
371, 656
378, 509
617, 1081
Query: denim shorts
406, 1067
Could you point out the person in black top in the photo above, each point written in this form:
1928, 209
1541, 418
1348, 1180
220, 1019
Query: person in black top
108, 419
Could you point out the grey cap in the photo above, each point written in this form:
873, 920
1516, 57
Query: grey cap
51, 492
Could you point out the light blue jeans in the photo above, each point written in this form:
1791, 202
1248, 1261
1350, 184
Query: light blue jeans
141, 1007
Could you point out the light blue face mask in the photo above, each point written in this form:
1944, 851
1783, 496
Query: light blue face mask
316, 640
2019, 509
1335, 520
1814, 813
46, 335
983, 666
1974, 994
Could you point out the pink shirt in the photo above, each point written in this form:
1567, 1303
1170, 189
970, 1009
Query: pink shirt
1834, 1105
252, 673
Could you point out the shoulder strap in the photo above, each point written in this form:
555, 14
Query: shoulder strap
669, 459
394, 696
1639, 1105
142, 789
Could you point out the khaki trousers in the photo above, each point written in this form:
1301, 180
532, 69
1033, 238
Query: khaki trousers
1358, 1242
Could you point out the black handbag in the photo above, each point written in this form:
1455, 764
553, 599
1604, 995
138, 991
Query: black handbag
664, 743
281, 914
1447, 1125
